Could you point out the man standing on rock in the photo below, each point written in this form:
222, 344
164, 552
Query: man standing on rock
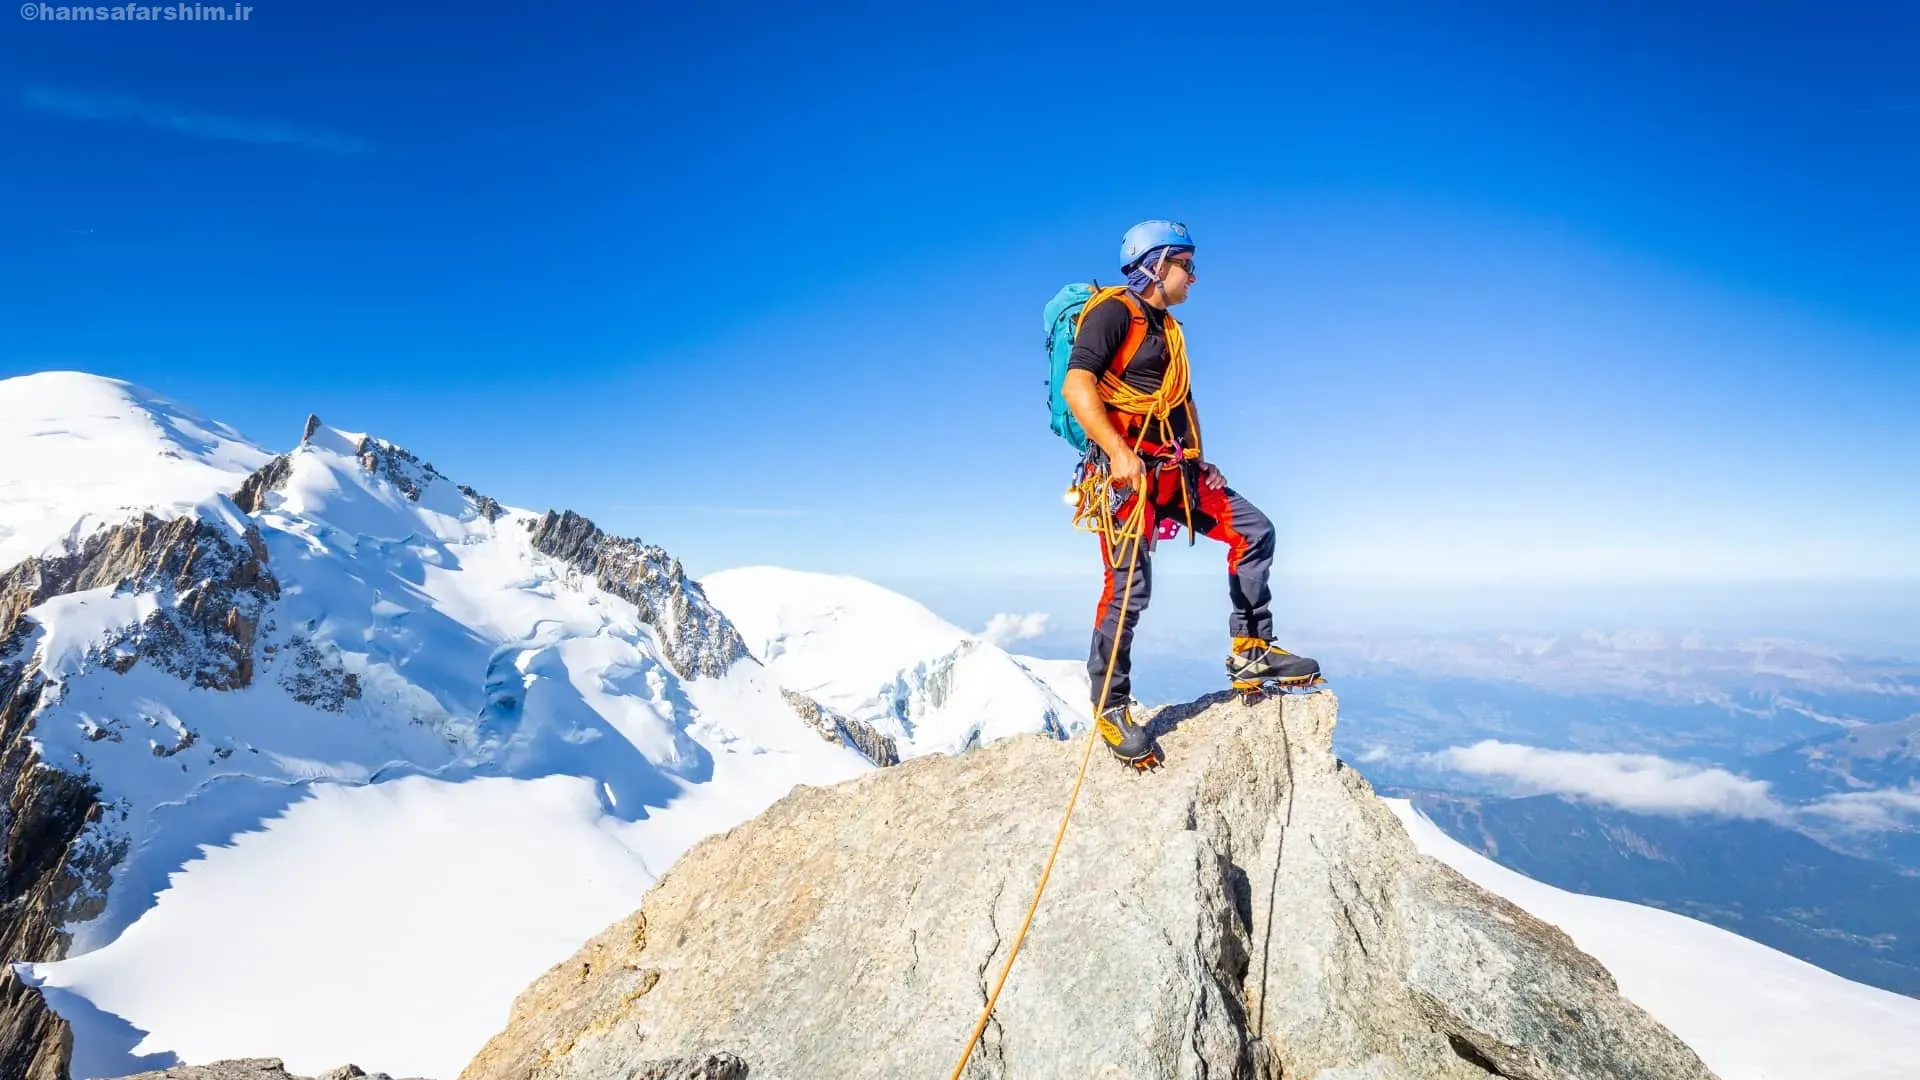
1127, 386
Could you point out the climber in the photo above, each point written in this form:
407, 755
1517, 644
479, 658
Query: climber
1126, 384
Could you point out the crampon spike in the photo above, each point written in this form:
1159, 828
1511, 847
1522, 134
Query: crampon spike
1254, 691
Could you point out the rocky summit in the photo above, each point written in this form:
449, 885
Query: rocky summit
1249, 911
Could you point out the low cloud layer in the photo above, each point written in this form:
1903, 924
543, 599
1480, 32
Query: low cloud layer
1648, 783
1641, 782
1005, 629
1886, 808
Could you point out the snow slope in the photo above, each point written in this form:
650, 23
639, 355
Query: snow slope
1750, 1012
457, 757
879, 657
1066, 678
359, 905
77, 451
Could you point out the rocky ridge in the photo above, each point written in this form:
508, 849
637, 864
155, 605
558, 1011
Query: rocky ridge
699, 640
214, 589
1249, 911
837, 728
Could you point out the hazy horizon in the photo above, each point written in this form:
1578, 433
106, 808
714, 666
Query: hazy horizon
1189, 608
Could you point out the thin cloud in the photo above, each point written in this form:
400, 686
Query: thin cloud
1004, 629
1641, 782
1649, 784
191, 122
1885, 808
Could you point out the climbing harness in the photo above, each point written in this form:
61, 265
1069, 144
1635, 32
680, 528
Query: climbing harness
1099, 505
1131, 529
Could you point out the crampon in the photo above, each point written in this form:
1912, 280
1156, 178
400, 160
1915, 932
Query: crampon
1129, 742
1142, 763
1252, 691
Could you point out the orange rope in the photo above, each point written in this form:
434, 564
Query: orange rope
1175, 383
1134, 525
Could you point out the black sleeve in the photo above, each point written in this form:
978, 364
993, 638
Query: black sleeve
1100, 337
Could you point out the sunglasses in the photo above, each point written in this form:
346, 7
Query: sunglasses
1184, 264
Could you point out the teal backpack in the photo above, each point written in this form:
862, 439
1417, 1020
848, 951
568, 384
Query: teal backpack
1062, 318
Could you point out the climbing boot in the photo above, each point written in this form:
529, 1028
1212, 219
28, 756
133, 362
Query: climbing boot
1257, 668
1128, 741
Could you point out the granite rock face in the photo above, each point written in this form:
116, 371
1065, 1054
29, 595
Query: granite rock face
38, 1043
836, 727
396, 465
1249, 911
698, 639
252, 496
214, 587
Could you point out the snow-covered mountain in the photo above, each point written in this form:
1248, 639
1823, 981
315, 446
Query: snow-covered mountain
212, 651
277, 722
78, 452
879, 658
322, 756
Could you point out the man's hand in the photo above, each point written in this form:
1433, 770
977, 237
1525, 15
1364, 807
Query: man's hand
1210, 476
1126, 470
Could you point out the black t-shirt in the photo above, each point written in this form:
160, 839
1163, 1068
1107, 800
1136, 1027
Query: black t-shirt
1099, 341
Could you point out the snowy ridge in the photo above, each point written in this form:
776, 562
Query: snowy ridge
360, 619
875, 656
79, 451
1750, 1012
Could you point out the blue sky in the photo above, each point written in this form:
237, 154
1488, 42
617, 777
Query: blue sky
1515, 293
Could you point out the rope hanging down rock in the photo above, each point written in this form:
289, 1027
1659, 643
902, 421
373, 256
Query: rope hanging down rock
1133, 531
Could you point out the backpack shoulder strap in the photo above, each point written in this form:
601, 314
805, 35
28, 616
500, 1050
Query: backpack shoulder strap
1100, 293
1136, 333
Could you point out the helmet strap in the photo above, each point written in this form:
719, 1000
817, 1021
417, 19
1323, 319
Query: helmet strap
1148, 268
1158, 273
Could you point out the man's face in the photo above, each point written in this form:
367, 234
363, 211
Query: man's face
1176, 275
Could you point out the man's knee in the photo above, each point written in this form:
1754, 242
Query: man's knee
1255, 529
1260, 544
1124, 597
